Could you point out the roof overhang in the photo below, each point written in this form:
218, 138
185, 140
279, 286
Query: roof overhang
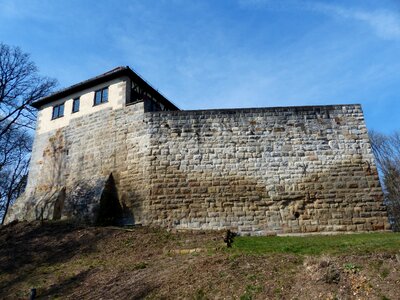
108, 76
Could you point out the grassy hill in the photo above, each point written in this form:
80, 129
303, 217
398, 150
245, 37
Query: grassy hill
69, 261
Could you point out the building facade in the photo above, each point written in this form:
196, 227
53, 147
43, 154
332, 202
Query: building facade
113, 150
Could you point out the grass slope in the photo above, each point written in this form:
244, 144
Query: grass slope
358, 243
68, 261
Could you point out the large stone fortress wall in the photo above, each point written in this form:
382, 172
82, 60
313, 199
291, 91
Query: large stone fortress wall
292, 169
284, 170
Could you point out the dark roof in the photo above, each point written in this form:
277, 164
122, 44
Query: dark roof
110, 75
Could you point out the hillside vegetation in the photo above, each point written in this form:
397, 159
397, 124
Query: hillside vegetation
69, 261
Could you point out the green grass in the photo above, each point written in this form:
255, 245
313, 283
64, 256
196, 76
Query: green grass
361, 243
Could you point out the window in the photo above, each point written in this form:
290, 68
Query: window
58, 111
101, 96
75, 105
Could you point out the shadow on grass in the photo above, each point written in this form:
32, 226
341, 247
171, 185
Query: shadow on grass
27, 246
114, 288
64, 287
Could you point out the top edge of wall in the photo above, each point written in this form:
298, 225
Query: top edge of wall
314, 108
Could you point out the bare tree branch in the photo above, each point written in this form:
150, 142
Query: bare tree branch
15, 147
20, 86
386, 149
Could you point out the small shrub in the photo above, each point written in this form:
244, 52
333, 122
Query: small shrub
140, 266
352, 268
385, 273
332, 275
229, 238
251, 290
246, 296
252, 277
200, 295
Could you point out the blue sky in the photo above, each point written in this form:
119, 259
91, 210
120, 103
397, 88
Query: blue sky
218, 54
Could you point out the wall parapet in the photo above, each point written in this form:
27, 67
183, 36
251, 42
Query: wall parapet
277, 109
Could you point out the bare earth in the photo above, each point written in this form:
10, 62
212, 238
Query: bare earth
68, 261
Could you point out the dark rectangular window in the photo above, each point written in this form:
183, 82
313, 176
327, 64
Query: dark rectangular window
97, 97
58, 111
75, 105
101, 96
105, 95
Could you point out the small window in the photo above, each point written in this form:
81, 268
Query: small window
58, 111
101, 96
75, 105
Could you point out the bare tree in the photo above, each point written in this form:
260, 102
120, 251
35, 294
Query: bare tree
386, 149
20, 85
15, 148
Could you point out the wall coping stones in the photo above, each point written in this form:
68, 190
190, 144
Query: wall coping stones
294, 109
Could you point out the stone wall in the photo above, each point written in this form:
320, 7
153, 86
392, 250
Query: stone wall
284, 170
80, 158
293, 169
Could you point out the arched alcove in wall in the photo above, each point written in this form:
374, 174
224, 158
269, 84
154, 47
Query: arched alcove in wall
110, 210
59, 205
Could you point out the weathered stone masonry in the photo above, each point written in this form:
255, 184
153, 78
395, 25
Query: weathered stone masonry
284, 170
294, 169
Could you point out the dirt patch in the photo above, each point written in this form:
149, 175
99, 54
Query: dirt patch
70, 261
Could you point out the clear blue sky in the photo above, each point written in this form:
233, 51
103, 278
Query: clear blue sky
217, 54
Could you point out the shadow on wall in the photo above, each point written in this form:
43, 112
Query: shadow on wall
92, 200
53, 163
49, 206
97, 201
59, 205
110, 210
343, 197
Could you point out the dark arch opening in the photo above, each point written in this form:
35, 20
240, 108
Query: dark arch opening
127, 217
59, 205
296, 214
110, 210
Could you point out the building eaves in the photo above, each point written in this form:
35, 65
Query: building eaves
107, 76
